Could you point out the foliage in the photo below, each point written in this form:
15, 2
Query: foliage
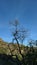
29, 58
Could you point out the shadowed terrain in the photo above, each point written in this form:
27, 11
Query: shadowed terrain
9, 54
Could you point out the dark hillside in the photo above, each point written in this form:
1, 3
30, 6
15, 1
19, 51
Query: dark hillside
9, 54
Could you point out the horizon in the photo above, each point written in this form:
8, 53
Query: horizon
23, 10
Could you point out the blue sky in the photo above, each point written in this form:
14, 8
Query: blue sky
24, 10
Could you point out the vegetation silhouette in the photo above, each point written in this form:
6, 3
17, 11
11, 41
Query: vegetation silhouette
28, 57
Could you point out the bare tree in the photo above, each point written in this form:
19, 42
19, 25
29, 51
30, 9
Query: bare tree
18, 32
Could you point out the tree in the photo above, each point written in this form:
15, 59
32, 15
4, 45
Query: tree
31, 56
18, 35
